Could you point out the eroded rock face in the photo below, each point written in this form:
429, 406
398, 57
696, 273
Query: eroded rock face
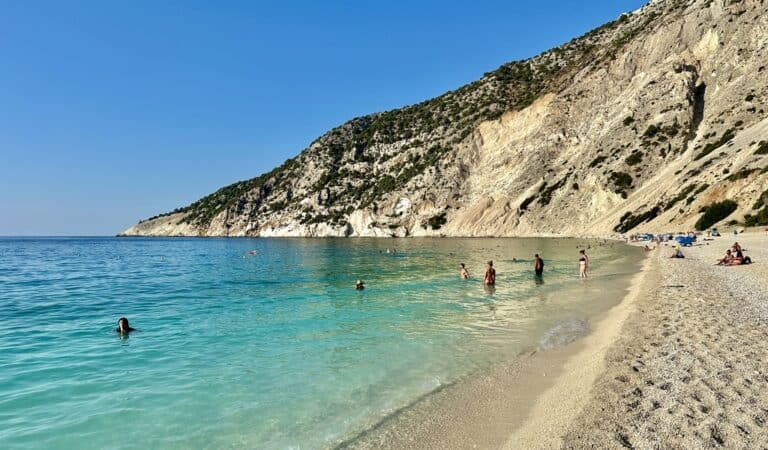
635, 126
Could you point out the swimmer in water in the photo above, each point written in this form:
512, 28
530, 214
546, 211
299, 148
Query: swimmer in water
359, 286
538, 265
463, 272
490, 275
123, 327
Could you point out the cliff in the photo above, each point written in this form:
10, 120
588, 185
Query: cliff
643, 124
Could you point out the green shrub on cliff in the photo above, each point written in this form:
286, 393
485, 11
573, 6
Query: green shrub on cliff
714, 213
436, 222
709, 148
759, 219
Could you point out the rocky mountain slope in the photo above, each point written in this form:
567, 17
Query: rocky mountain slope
647, 123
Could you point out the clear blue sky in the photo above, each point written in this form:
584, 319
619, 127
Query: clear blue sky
113, 111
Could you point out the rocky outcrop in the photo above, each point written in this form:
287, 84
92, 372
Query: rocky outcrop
636, 126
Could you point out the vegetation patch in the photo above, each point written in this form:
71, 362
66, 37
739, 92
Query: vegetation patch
546, 194
635, 158
701, 189
524, 205
436, 222
761, 217
621, 182
758, 219
276, 206
177, 210
597, 161
744, 173
629, 221
714, 213
651, 131
709, 148
679, 197
761, 201
762, 148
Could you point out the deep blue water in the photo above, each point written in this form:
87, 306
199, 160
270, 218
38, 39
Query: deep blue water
267, 350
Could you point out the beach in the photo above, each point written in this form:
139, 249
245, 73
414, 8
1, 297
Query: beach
650, 352
689, 368
679, 363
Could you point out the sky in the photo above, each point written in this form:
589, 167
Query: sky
113, 111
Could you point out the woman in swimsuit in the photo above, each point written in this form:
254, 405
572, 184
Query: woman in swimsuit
583, 263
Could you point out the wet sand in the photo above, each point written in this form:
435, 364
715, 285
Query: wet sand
476, 412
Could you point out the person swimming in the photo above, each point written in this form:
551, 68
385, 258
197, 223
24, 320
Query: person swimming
359, 286
463, 272
123, 327
490, 275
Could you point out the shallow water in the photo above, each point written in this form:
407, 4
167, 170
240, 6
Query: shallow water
271, 350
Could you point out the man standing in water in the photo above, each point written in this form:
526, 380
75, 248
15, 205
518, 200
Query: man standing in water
538, 265
490, 275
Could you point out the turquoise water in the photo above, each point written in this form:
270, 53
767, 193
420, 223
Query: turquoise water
270, 350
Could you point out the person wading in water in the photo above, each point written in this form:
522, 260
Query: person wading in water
583, 263
490, 275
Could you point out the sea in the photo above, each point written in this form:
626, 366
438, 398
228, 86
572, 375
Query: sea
265, 343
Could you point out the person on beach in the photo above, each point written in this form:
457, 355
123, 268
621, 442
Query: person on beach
726, 259
123, 327
677, 253
737, 257
463, 272
583, 263
490, 275
538, 265
359, 286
